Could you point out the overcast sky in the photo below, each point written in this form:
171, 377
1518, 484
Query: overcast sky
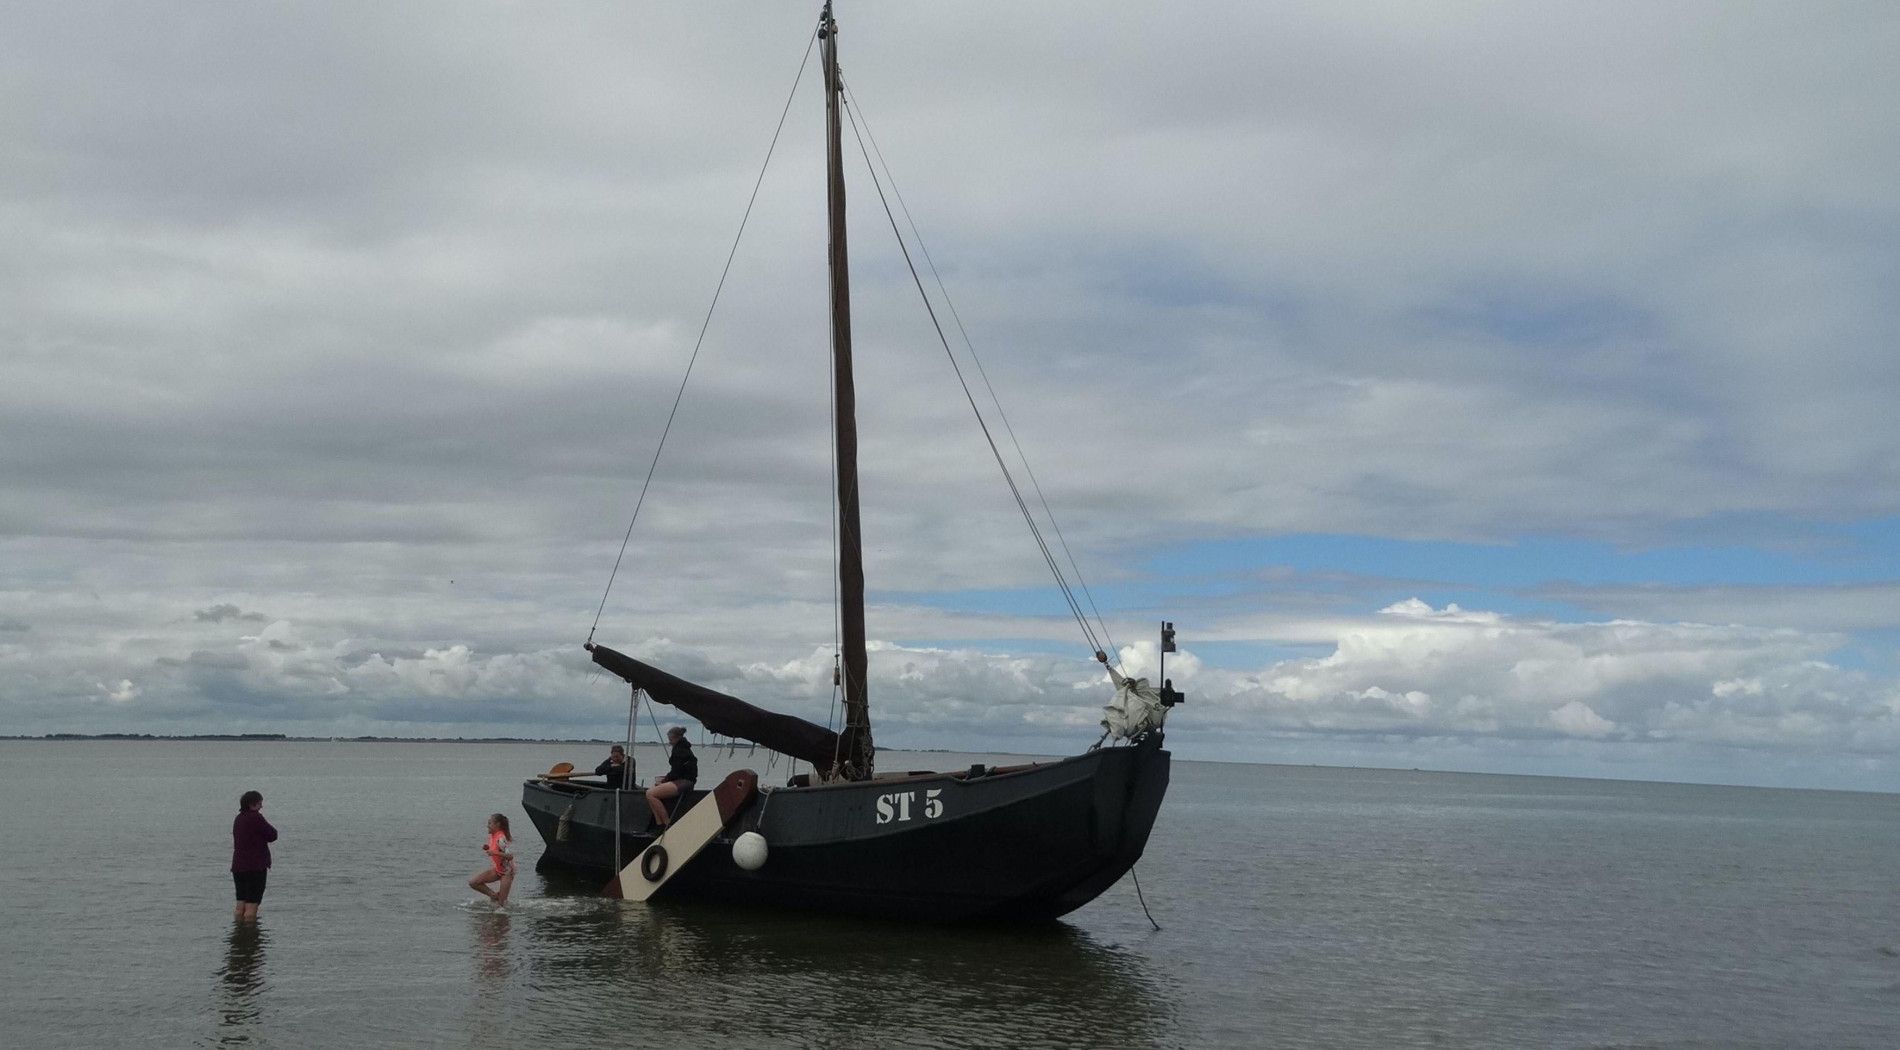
1477, 386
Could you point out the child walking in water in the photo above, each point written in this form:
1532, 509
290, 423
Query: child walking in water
501, 861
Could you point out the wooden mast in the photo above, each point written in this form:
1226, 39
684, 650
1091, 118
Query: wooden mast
855, 758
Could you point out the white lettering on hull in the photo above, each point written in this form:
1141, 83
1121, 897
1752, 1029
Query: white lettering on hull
895, 808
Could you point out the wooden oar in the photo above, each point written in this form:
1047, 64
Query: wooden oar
566, 771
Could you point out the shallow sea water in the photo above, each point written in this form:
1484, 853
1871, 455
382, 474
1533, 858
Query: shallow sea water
1299, 907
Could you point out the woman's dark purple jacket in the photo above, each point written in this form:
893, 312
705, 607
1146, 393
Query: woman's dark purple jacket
251, 836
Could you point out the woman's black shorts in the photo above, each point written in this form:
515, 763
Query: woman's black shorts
250, 886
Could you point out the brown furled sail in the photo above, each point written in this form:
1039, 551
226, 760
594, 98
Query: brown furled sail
855, 758
726, 715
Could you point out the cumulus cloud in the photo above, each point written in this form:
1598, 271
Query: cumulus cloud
1577, 719
1417, 671
1411, 672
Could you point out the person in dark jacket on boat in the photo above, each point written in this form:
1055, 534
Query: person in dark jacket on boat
682, 770
251, 836
616, 769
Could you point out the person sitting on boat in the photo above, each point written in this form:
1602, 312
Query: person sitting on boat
682, 770
616, 769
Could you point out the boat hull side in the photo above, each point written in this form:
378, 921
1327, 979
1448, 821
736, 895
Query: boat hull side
1029, 844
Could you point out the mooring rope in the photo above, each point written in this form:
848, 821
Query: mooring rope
1143, 900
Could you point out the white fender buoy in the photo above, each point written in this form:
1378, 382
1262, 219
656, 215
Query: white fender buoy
748, 851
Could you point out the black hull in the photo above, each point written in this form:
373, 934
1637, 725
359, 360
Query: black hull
1031, 843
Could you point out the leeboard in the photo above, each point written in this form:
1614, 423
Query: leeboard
685, 838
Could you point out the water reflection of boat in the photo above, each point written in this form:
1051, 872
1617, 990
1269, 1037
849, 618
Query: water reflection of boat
750, 971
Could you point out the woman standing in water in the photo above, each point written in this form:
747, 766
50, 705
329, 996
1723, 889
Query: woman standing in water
501, 861
251, 836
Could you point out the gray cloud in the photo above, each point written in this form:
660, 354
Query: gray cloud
372, 321
226, 611
1834, 607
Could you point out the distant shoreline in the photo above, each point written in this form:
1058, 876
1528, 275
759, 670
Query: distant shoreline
285, 738
276, 738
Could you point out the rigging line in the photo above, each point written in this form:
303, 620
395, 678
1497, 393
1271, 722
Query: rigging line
1022, 505
633, 726
1048, 511
957, 320
832, 718
704, 325
656, 729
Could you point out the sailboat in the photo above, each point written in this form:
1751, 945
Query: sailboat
1028, 842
